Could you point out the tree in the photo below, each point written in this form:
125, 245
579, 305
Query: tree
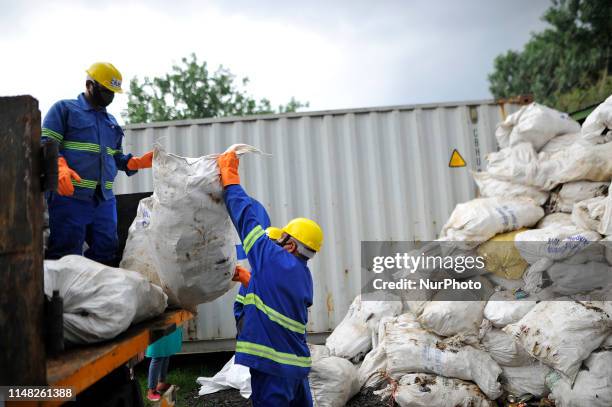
568, 59
189, 91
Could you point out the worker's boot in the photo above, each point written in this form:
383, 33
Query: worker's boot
153, 395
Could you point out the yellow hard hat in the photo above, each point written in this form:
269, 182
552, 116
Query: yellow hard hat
107, 75
274, 233
305, 231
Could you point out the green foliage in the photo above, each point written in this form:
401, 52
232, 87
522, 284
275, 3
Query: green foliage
190, 91
571, 57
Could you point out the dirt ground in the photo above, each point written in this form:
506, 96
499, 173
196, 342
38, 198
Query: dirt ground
232, 398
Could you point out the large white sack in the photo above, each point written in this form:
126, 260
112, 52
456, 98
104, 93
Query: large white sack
489, 186
478, 220
353, 337
561, 334
449, 318
182, 237
427, 390
557, 219
579, 162
536, 124
504, 349
588, 214
571, 279
559, 143
517, 164
605, 225
593, 385
407, 349
599, 120
231, 376
503, 309
100, 302
554, 242
529, 379
574, 192
333, 381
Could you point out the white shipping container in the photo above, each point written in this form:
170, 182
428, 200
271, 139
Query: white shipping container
363, 174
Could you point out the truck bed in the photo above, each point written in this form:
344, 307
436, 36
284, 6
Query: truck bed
82, 366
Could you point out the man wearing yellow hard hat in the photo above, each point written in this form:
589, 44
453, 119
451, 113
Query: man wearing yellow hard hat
272, 340
83, 208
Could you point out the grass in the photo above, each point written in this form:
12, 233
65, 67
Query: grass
183, 372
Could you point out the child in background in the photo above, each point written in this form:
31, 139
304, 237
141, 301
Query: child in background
160, 352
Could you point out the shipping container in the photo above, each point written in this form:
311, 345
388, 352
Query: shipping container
364, 174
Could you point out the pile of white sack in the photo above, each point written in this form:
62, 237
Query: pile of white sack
546, 194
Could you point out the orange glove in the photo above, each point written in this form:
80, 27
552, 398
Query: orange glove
64, 178
243, 275
228, 166
138, 163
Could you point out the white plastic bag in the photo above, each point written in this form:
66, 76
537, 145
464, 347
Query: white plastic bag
593, 385
427, 390
529, 379
480, 219
490, 186
561, 334
596, 122
333, 381
517, 164
182, 237
231, 376
352, 338
100, 302
605, 226
574, 192
536, 124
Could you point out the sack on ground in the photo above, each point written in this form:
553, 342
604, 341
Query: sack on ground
182, 237
559, 143
426, 390
449, 318
333, 381
100, 302
561, 334
593, 385
480, 219
407, 349
503, 309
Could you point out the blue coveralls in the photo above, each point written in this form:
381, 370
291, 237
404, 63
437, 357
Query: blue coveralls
90, 141
264, 221
272, 341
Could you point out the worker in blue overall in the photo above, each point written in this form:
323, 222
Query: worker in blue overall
272, 342
83, 209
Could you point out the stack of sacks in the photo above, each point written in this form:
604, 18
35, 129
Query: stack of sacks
543, 225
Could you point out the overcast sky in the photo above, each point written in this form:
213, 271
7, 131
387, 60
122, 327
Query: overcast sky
334, 54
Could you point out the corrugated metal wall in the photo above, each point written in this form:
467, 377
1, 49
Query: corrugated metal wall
363, 174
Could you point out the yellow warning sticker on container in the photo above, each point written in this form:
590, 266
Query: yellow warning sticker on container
456, 160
